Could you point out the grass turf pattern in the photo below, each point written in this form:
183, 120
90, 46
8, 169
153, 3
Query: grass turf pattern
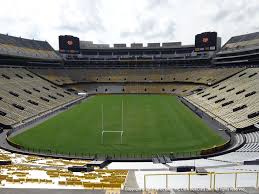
152, 124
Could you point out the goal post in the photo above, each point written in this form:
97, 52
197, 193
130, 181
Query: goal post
121, 134
103, 131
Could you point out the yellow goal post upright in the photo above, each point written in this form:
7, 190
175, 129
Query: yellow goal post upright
113, 131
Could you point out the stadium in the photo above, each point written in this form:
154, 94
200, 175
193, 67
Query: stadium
155, 118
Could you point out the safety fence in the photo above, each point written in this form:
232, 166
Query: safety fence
210, 180
142, 156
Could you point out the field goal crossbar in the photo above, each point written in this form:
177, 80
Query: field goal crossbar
121, 132
110, 131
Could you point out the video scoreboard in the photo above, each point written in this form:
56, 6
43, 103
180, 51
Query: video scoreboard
206, 41
69, 44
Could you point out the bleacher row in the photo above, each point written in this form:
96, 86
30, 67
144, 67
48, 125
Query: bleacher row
189, 75
252, 142
27, 52
21, 47
24, 95
247, 152
33, 171
179, 89
233, 102
252, 137
167, 88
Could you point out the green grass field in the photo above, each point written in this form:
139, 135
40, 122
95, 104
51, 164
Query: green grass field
152, 124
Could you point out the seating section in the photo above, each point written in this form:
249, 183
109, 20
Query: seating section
38, 172
251, 147
168, 88
252, 137
239, 50
242, 41
96, 88
247, 152
252, 142
206, 76
24, 95
14, 46
233, 102
179, 89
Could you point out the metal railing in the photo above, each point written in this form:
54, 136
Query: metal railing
212, 178
116, 155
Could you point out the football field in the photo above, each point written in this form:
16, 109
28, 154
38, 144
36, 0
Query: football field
151, 124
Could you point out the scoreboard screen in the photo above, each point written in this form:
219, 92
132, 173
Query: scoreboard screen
206, 41
69, 44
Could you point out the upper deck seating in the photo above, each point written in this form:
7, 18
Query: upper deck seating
205, 76
14, 46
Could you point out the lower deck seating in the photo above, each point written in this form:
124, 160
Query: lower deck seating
234, 101
24, 95
252, 142
41, 172
128, 88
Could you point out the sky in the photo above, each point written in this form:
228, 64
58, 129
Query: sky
128, 21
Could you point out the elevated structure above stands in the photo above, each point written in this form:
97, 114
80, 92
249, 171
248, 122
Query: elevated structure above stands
138, 55
239, 50
26, 50
154, 55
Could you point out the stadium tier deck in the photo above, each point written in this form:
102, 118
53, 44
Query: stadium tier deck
135, 88
239, 50
205, 76
20, 47
27, 171
233, 101
24, 95
242, 41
